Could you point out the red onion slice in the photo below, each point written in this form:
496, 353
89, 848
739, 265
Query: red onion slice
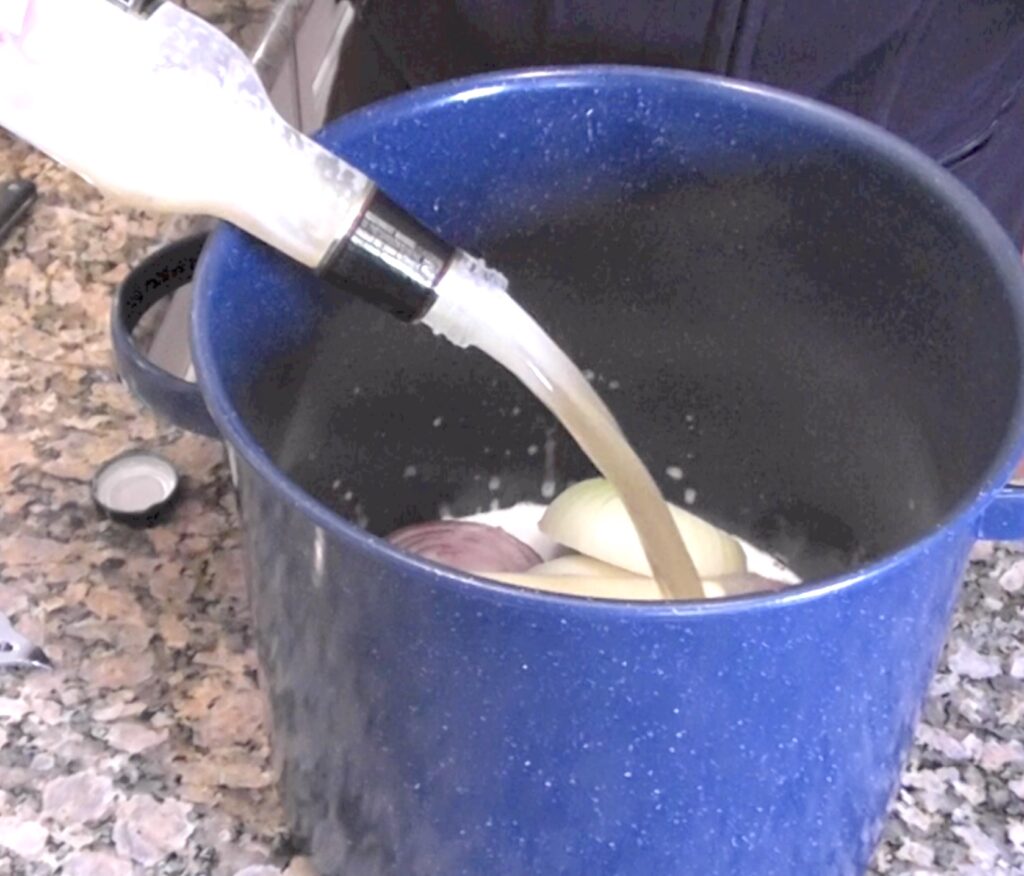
469, 547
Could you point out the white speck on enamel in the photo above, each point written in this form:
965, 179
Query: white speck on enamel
410, 471
532, 450
674, 472
494, 484
690, 495
438, 421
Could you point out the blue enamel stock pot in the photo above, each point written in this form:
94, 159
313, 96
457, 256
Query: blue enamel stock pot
818, 325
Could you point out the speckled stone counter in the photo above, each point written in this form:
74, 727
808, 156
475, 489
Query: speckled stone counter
145, 750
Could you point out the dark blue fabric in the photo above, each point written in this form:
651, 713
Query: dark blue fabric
946, 75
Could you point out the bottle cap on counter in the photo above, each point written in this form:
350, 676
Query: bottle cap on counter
136, 488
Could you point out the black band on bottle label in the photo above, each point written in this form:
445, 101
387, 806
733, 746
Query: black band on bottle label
389, 260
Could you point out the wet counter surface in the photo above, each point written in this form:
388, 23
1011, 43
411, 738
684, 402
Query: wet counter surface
145, 750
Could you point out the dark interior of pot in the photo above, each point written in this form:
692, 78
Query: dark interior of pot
819, 345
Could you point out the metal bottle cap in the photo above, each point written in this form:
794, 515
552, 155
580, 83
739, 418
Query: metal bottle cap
17, 651
136, 488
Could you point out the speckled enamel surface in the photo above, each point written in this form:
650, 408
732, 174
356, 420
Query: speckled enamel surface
473, 731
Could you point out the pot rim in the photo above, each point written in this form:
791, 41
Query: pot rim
914, 164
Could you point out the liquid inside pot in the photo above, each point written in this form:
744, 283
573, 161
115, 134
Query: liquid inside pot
757, 384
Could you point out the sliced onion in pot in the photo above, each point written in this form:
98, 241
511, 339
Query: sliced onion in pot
590, 517
468, 547
740, 584
631, 587
580, 566
627, 587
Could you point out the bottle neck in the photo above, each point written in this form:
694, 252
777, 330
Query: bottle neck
389, 260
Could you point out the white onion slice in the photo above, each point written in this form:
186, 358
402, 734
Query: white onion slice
579, 566
628, 587
762, 563
631, 587
740, 584
590, 517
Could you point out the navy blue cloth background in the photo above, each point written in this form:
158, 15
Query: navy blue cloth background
946, 75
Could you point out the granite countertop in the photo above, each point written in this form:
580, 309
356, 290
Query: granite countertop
145, 750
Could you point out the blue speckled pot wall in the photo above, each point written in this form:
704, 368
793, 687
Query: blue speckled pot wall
429, 724
428, 729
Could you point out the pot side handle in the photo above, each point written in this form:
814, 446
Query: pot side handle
158, 276
1003, 519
